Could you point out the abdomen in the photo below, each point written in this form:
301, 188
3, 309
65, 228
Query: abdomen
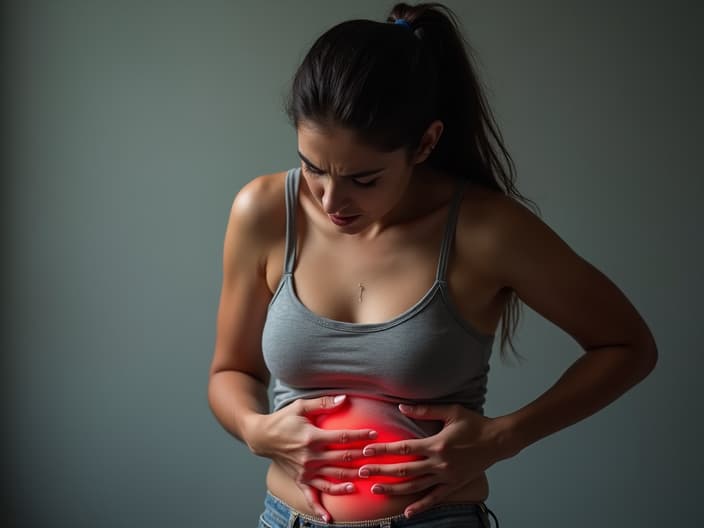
391, 425
385, 418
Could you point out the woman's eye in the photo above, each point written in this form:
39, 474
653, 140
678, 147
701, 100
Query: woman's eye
356, 182
308, 169
366, 184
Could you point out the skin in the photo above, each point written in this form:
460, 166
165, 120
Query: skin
499, 246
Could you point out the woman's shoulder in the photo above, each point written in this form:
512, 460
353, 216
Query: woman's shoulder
262, 195
488, 220
512, 245
491, 208
259, 208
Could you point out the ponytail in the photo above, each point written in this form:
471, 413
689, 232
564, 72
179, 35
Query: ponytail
386, 82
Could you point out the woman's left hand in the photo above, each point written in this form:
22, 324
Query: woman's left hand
467, 445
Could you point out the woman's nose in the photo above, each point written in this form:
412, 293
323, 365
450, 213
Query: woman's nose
332, 199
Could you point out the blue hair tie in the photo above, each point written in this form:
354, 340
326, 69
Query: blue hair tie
403, 22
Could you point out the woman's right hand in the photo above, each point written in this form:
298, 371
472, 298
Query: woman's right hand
306, 452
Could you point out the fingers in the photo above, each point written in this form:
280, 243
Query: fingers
407, 487
343, 437
403, 470
324, 404
442, 412
342, 457
312, 496
340, 474
431, 499
332, 488
402, 448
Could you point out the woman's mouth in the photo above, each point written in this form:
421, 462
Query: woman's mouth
343, 220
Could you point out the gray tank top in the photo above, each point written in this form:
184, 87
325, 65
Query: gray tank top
428, 354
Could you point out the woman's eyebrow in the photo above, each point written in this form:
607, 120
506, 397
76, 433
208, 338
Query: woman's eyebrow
355, 175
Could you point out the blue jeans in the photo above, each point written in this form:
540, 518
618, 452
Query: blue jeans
278, 514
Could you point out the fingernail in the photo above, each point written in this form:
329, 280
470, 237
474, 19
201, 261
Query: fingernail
368, 451
349, 488
325, 517
377, 489
405, 408
409, 513
339, 399
364, 472
373, 434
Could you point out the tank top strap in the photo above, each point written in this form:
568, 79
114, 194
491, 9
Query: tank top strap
450, 228
292, 182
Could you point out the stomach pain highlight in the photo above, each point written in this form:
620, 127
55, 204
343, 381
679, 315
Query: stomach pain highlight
391, 425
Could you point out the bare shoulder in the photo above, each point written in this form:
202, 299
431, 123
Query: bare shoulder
506, 236
256, 226
493, 226
258, 215
484, 213
260, 203
244, 294
513, 246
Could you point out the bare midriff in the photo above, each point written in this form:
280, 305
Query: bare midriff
362, 504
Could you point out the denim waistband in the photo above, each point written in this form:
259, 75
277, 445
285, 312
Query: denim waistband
284, 515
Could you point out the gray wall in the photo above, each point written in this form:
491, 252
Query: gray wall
133, 125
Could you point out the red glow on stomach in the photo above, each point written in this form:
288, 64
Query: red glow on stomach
359, 413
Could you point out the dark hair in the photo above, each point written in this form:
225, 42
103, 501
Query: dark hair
386, 84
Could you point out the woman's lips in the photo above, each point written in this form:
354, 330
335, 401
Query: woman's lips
343, 220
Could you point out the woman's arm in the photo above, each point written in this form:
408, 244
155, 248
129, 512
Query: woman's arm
238, 378
564, 288
520, 252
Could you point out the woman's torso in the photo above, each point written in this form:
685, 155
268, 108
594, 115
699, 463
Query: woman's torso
398, 269
363, 504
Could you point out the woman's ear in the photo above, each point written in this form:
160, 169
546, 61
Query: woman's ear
429, 140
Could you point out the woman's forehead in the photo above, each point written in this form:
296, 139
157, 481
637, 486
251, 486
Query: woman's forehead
338, 142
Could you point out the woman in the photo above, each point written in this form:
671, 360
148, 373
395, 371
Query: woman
369, 283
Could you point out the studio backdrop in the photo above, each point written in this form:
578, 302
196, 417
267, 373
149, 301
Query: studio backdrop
130, 127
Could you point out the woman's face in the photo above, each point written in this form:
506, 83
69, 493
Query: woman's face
348, 179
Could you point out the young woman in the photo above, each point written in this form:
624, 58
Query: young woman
369, 282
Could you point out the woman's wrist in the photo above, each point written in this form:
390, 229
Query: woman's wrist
505, 437
251, 432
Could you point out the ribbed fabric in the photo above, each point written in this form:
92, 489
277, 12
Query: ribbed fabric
428, 354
